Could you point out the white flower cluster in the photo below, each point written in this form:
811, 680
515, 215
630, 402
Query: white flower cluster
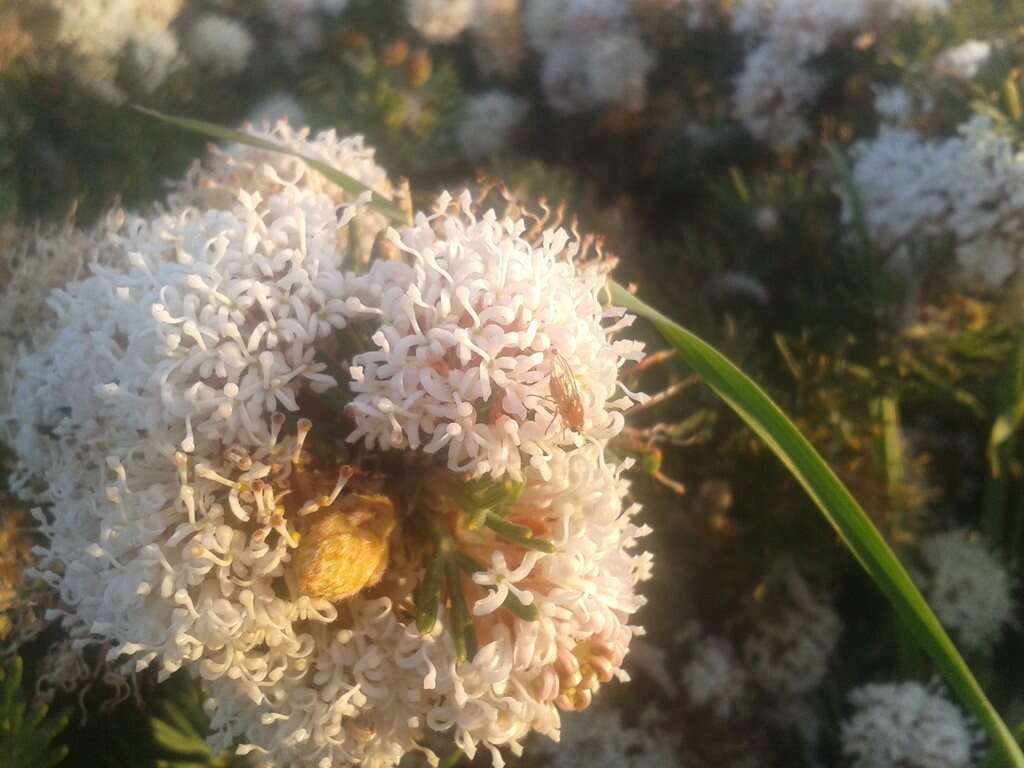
98, 34
491, 119
220, 43
964, 61
906, 725
599, 739
488, 340
593, 54
184, 502
788, 656
715, 678
778, 82
894, 105
968, 189
969, 589
215, 182
440, 21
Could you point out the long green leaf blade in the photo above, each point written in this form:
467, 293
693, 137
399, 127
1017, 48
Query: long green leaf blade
343, 180
841, 510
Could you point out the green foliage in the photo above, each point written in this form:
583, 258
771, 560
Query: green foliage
842, 511
179, 731
406, 101
27, 731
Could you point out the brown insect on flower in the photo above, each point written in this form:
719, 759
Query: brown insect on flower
565, 392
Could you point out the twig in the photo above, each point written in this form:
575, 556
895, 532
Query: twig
652, 359
665, 394
668, 482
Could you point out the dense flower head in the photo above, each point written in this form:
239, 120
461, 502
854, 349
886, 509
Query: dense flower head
481, 336
906, 724
969, 589
176, 420
209, 328
215, 181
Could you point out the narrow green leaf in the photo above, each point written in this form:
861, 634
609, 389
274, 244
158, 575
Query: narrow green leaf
452, 760
517, 534
343, 180
463, 635
53, 757
1011, 410
466, 563
1011, 95
853, 199
170, 738
428, 596
520, 609
839, 508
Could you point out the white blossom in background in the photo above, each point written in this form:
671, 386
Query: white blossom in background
543, 21
766, 219
964, 61
593, 55
618, 65
779, 82
968, 189
440, 21
771, 94
988, 198
98, 34
277, 106
490, 121
903, 183
155, 55
476, 333
599, 739
715, 677
788, 655
905, 725
220, 43
969, 589
214, 182
894, 105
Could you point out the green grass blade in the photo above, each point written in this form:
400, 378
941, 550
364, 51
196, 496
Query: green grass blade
840, 509
343, 180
